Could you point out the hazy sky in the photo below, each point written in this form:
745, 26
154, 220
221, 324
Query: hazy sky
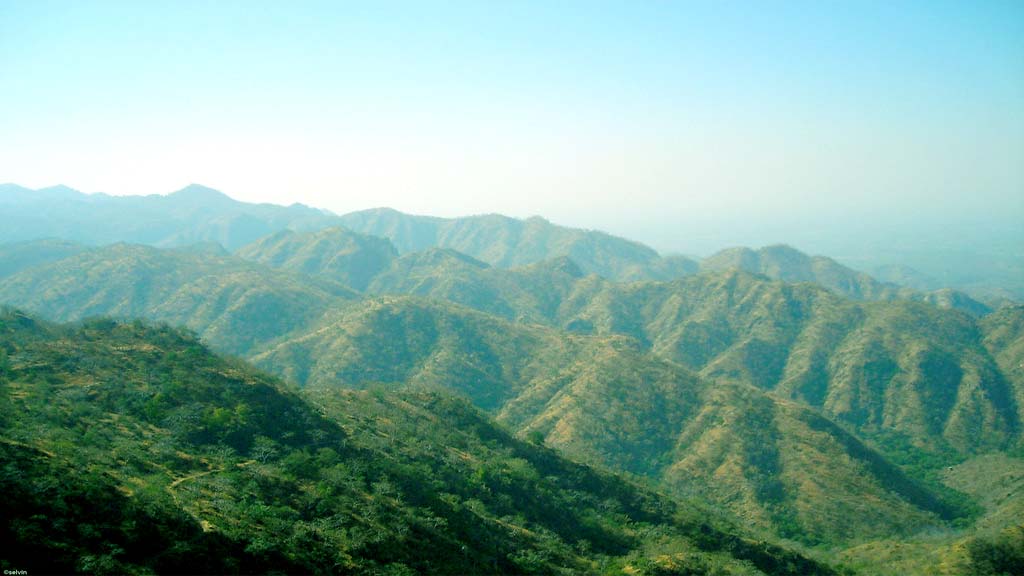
672, 122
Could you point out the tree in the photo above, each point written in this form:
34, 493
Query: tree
264, 449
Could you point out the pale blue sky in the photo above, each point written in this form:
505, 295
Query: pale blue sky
676, 123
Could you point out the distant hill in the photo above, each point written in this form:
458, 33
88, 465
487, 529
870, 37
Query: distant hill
196, 215
508, 242
785, 263
190, 215
230, 302
531, 293
368, 263
903, 275
138, 451
505, 242
17, 256
350, 258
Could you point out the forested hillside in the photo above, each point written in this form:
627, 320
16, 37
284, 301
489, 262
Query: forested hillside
670, 364
792, 397
129, 448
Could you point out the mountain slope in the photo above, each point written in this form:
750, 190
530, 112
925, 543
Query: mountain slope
527, 294
898, 366
602, 400
993, 545
147, 453
18, 256
233, 304
350, 258
1004, 338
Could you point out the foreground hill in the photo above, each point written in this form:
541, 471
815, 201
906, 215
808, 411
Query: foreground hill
131, 449
190, 215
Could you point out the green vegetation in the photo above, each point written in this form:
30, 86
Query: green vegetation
615, 375
128, 448
884, 428
230, 302
1002, 554
349, 258
604, 401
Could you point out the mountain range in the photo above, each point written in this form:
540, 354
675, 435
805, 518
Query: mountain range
190, 215
795, 400
198, 214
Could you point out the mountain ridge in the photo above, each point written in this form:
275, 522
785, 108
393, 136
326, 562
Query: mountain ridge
198, 213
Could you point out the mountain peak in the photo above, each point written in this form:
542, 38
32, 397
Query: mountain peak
59, 189
781, 249
199, 192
